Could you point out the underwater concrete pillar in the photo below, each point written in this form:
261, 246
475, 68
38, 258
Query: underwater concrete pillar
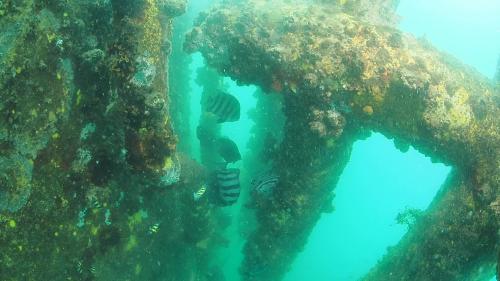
84, 121
453, 240
380, 79
140, 74
308, 165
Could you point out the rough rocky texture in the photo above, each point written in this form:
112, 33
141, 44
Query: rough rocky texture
90, 181
342, 75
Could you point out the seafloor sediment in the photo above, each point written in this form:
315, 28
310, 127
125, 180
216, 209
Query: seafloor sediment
342, 73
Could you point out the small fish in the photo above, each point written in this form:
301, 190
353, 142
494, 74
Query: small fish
228, 150
228, 181
265, 184
79, 267
198, 194
225, 106
96, 204
154, 228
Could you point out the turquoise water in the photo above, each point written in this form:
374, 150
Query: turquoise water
469, 30
379, 182
114, 139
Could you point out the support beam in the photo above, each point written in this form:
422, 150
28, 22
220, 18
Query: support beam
376, 78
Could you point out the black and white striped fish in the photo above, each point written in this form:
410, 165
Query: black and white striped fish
265, 184
199, 193
228, 182
225, 106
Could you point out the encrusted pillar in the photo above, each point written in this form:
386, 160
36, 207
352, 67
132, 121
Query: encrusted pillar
90, 182
337, 66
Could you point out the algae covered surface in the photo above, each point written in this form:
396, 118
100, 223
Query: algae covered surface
105, 174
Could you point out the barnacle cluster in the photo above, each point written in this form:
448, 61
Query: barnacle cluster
327, 123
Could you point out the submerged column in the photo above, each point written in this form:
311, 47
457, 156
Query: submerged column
308, 163
90, 183
327, 62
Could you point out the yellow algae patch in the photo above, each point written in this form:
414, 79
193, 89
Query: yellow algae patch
12, 224
151, 41
51, 37
377, 93
368, 109
94, 230
136, 218
460, 113
131, 243
168, 163
450, 110
34, 113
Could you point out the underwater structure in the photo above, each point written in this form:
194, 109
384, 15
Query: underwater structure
90, 178
344, 70
94, 185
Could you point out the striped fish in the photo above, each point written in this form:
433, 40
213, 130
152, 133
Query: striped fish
154, 228
199, 193
228, 181
225, 106
265, 184
228, 150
